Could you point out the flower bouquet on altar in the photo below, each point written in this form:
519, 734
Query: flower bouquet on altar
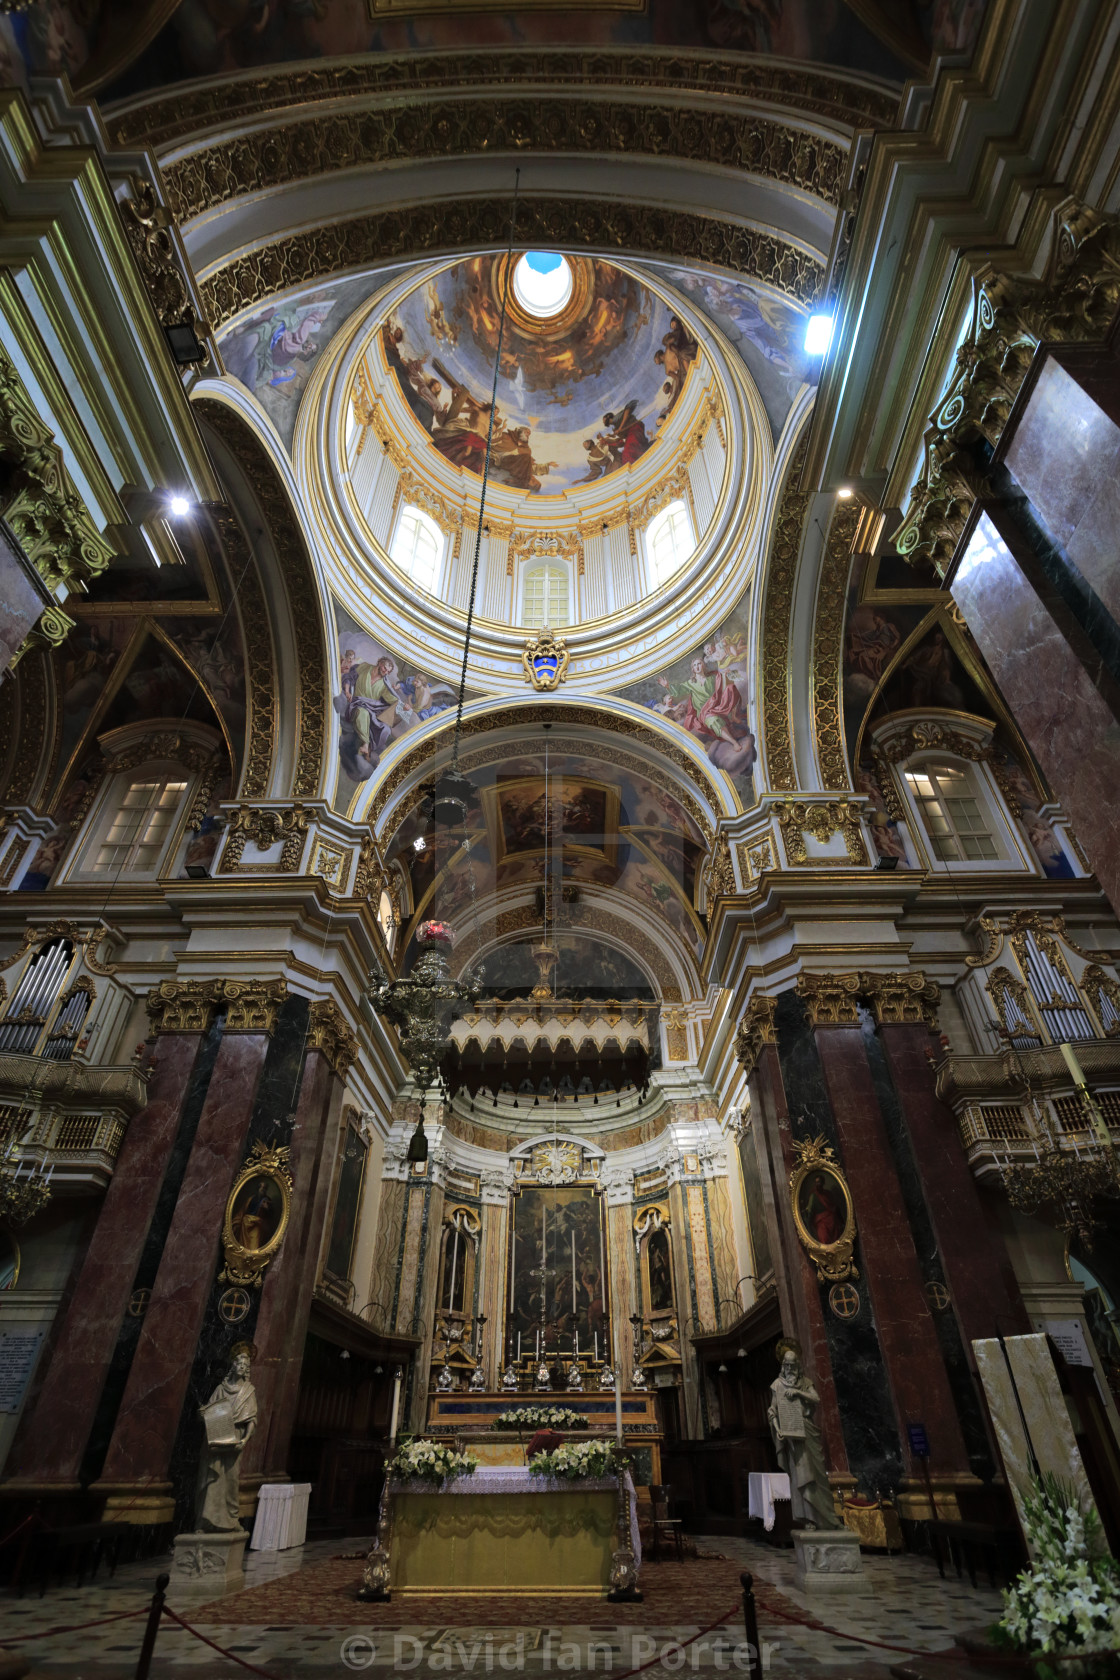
429, 1461
540, 1417
1068, 1601
579, 1460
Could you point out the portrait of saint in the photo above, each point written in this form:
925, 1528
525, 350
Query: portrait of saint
822, 1203
660, 1272
257, 1212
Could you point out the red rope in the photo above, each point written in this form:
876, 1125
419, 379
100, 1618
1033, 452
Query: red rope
684, 1644
233, 1657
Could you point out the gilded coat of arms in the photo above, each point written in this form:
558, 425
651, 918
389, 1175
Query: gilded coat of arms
545, 660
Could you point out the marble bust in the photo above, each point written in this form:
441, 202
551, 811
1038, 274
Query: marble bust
797, 1441
230, 1417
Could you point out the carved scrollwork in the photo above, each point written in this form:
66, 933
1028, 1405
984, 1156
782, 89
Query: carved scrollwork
266, 828
147, 226
902, 997
777, 613
831, 1000
755, 1031
328, 1033
822, 822
257, 1212
828, 646
719, 872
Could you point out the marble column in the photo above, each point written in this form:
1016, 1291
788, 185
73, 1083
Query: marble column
892, 1275
47, 1454
978, 1269
137, 1464
289, 1283
798, 1292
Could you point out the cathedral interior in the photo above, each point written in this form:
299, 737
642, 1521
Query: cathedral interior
541, 860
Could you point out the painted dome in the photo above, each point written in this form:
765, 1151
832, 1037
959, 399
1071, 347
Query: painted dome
593, 364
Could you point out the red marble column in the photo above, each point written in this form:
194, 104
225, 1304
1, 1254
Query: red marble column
289, 1283
1058, 689
907, 1337
47, 1452
139, 1453
798, 1292
977, 1266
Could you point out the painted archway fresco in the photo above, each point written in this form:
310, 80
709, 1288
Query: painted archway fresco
580, 394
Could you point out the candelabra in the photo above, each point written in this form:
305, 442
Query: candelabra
22, 1194
1068, 1180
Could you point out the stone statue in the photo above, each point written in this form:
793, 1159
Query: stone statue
230, 1417
797, 1441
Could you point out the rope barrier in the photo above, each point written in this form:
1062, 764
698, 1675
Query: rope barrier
78, 1627
232, 1655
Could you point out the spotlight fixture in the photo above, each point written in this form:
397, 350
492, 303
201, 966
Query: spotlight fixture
419, 844
818, 334
845, 493
886, 864
179, 506
184, 343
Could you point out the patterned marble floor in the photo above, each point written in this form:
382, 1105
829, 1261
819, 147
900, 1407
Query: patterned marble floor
907, 1605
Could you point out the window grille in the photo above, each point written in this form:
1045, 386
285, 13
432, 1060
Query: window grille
546, 598
954, 819
138, 831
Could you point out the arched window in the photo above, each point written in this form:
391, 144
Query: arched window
955, 815
546, 598
669, 542
132, 839
417, 547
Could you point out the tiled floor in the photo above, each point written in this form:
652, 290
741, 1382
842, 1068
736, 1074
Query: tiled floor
907, 1605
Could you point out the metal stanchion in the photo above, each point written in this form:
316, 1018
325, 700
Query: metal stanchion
750, 1623
155, 1616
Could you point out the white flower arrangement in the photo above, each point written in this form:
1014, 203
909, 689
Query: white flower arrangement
1068, 1601
540, 1417
578, 1461
429, 1461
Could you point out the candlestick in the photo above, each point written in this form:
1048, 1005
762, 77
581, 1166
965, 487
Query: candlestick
519, 1347
396, 1406
577, 1343
618, 1409
596, 1347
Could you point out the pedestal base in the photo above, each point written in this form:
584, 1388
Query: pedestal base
828, 1560
205, 1566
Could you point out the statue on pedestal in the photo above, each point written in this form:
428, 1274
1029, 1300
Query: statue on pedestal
797, 1441
230, 1417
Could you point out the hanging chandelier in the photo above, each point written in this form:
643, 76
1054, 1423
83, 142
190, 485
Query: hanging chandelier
23, 1192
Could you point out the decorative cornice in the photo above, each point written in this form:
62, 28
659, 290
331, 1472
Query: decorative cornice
1074, 303
828, 646
831, 1000
497, 122
807, 90
425, 230
822, 821
755, 1031
41, 504
777, 614
902, 998
328, 1033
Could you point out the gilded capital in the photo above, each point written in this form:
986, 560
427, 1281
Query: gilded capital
755, 1031
253, 1005
328, 1033
831, 1000
183, 1006
904, 997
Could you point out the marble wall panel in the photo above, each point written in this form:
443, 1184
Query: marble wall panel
62, 1413
918, 1380
386, 1252
148, 1421
701, 1257
21, 600
1055, 700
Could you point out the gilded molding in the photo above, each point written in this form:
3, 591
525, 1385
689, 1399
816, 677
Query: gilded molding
380, 237
303, 593
828, 645
328, 1033
88, 941
777, 614
831, 1000
755, 1031
147, 225
166, 743
261, 733
807, 90
265, 828
676, 1035
927, 735
902, 998
253, 1005
1101, 989
41, 504
756, 860
495, 122
1074, 303
822, 822
719, 873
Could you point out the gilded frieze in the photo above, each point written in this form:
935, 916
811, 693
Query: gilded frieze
284, 152
381, 237
1075, 303
828, 646
777, 613
265, 828
806, 90
822, 822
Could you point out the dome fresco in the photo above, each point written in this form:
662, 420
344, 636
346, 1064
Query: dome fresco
582, 391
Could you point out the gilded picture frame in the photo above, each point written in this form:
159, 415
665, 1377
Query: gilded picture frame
823, 1212
258, 1209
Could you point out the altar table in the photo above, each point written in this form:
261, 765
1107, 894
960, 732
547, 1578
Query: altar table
504, 1530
